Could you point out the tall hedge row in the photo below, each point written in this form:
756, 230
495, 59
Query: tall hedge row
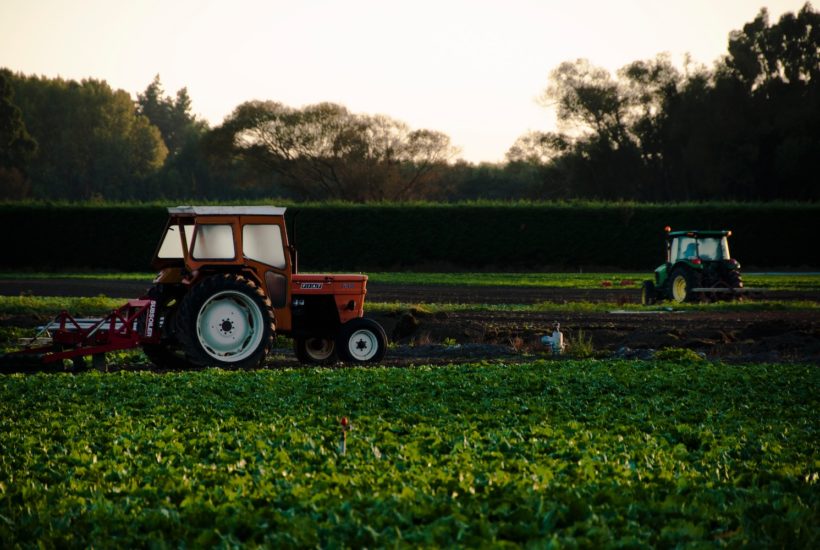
406, 237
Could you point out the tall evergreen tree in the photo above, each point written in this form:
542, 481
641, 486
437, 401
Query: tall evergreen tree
172, 116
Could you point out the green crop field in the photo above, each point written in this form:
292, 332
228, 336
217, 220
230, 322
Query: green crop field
565, 453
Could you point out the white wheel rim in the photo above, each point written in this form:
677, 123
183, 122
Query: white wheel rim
363, 345
319, 349
230, 326
679, 288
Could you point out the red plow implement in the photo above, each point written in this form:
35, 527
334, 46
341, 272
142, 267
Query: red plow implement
67, 337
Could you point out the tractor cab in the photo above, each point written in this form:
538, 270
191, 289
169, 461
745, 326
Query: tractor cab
697, 247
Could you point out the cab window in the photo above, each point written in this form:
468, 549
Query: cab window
171, 247
263, 243
214, 242
684, 248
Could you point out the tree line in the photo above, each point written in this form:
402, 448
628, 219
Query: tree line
746, 129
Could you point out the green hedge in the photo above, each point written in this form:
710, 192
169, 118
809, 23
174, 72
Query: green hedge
406, 237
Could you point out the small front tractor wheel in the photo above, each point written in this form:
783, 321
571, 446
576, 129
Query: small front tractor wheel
315, 349
361, 340
681, 283
648, 293
226, 321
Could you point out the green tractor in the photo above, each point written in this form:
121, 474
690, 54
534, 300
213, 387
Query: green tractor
698, 266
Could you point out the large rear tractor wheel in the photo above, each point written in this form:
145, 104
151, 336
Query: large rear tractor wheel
226, 321
167, 354
681, 283
734, 280
315, 350
361, 340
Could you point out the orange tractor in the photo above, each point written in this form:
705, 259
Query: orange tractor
228, 282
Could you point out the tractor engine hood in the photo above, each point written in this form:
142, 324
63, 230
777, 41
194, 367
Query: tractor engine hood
328, 284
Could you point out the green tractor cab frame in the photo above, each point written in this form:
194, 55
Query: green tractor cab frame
698, 267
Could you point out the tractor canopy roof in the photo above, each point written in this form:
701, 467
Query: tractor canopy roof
226, 211
700, 233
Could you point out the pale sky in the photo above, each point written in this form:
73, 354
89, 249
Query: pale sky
471, 69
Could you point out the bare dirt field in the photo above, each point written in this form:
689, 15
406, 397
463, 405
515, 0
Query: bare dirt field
420, 336
733, 336
729, 335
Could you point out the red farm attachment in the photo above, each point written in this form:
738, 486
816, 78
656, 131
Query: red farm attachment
66, 337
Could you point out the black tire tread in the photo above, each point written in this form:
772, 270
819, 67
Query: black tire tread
734, 279
166, 354
300, 349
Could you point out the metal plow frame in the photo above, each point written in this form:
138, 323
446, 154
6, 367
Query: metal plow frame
124, 328
722, 292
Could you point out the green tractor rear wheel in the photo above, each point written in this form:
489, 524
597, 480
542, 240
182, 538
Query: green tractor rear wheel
734, 280
681, 283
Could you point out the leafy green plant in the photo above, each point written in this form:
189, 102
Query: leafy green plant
678, 354
580, 345
9, 336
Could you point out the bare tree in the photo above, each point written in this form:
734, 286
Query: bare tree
587, 99
324, 151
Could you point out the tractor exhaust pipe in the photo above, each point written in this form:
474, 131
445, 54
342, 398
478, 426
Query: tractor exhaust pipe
294, 254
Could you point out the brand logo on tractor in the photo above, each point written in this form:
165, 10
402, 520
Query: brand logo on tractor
152, 310
311, 285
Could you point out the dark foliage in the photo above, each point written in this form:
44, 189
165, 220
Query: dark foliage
396, 237
749, 130
17, 147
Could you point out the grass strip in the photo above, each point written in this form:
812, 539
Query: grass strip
18, 275
581, 281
